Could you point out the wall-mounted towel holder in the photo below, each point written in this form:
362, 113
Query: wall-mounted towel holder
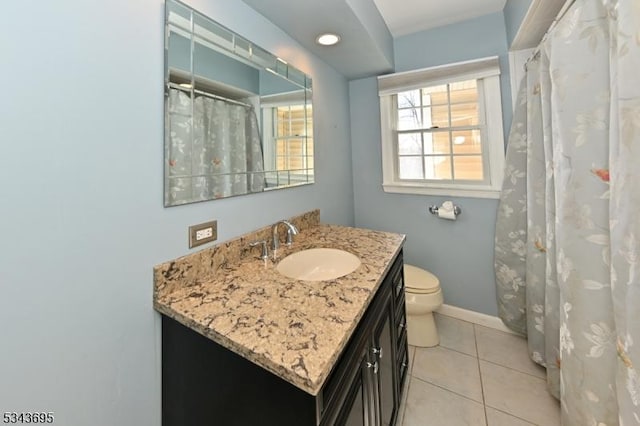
434, 210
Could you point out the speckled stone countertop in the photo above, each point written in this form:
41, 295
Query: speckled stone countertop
295, 329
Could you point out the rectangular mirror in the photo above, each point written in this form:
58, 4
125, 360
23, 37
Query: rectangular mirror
238, 120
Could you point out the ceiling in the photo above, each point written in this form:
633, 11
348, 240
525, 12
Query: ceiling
366, 27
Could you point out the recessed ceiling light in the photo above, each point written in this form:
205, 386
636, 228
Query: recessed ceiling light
328, 39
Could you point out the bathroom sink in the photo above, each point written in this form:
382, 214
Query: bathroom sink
318, 264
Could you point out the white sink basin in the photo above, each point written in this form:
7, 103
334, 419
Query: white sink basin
318, 264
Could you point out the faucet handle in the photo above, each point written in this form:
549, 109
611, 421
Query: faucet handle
265, 248
290, 233
292, 228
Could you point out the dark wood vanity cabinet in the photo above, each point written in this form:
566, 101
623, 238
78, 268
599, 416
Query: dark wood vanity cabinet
374, 393
204, 383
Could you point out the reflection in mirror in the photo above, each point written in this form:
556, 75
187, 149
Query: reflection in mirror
238, 120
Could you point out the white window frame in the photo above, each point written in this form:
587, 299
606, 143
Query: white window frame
487, 72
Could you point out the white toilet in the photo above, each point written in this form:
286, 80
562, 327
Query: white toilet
423, 296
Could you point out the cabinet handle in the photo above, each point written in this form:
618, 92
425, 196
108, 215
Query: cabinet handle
374, 366
377, 351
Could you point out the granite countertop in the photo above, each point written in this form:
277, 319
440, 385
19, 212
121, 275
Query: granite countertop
295, 329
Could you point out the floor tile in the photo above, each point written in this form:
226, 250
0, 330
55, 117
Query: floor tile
507, 350
519, 394
498, 418
456, 334
430, 405
449, 369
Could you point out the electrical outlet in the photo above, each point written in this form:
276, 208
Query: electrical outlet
203, 233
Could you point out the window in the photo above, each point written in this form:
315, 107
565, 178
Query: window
287, 123
294, 150
442, 130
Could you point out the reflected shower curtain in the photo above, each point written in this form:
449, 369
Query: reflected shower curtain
568, 228
211, 155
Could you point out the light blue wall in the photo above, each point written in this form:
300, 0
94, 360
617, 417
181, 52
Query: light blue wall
81, 216
460, 253
514, 13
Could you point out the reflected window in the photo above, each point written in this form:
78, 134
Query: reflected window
288, 127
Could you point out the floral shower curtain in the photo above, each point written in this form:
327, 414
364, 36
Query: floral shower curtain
567, 254
210, 155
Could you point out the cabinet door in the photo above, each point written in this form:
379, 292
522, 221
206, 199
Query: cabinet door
357, 407
383, 352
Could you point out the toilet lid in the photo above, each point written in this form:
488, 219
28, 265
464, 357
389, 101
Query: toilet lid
417, 280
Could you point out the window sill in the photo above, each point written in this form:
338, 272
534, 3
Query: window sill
453, 190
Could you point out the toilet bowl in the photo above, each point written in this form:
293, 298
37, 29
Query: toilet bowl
422, 296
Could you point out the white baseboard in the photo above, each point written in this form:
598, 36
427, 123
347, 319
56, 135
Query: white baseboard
474, 317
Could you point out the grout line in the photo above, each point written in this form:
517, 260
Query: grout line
478, 359
509, 414
514, 369
484, 401
405, 397
472, 329
407, 386
507, 366
410, 372
448, 390
456, 350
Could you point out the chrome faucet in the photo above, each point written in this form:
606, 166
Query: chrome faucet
291, 231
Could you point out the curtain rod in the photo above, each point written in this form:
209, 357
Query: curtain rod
563, 11
210, 95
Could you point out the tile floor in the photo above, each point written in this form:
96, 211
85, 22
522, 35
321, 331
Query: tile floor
476, 376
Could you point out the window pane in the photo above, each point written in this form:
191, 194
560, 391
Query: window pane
436, 116
464, 114
438, 167
409, 119
464, 91
409, 99
295, 147
410, 168
436, 95
284, 178
281, 163
282, 124
436, 143
467, 142
296, 162
409, 143
468, 167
